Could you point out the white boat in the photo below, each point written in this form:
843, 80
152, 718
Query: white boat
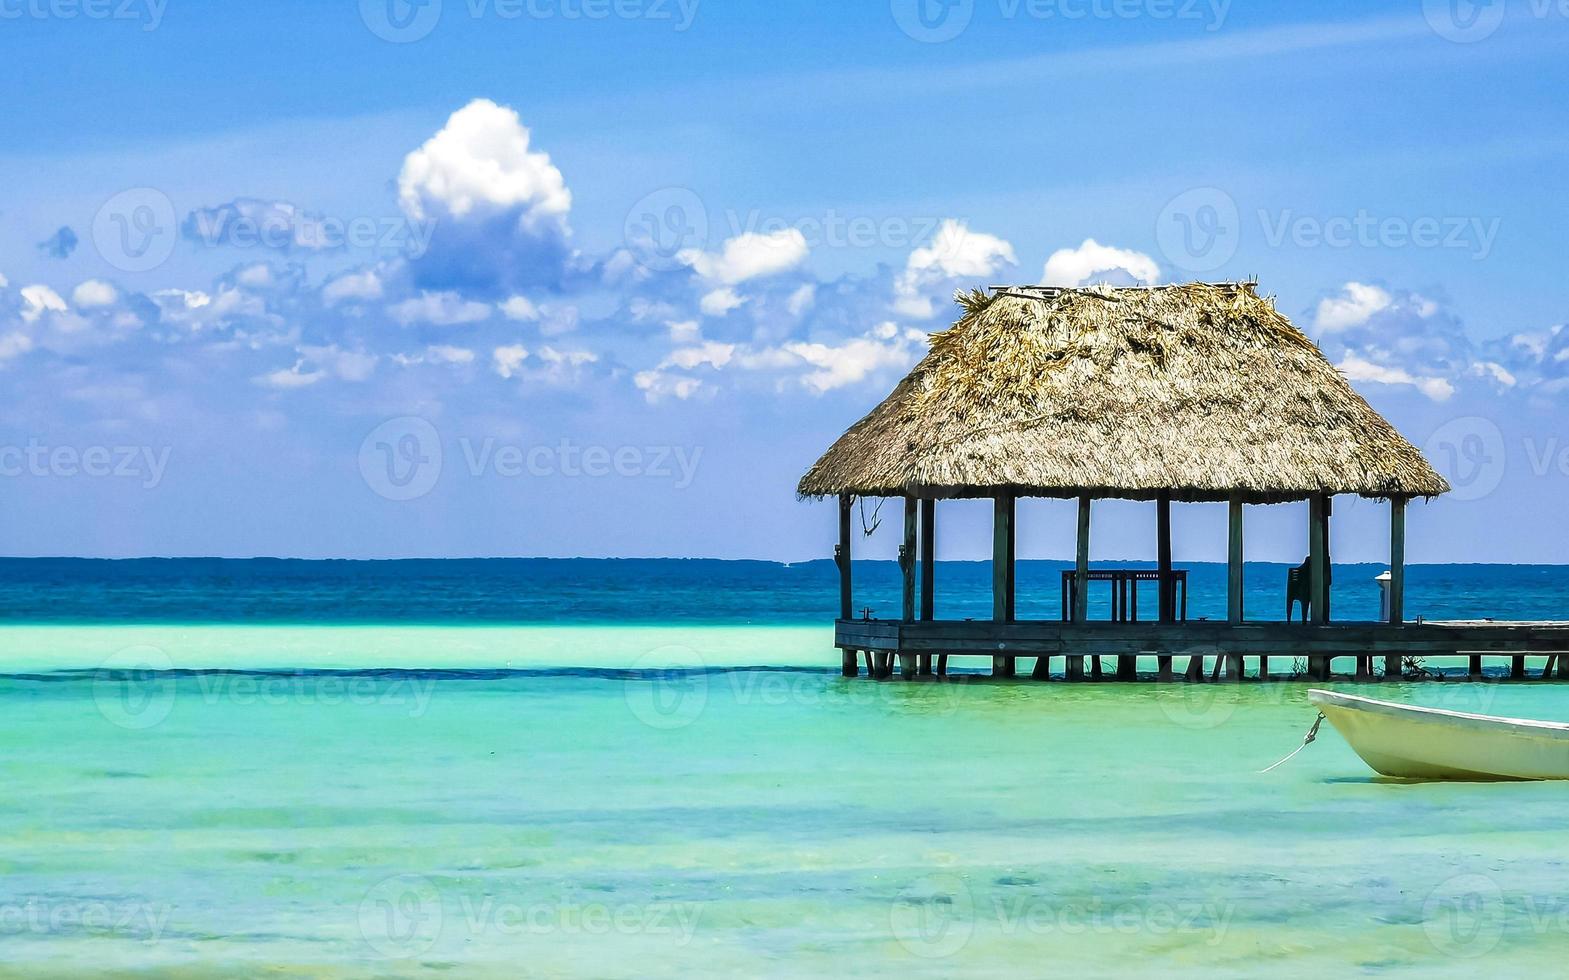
1409, 742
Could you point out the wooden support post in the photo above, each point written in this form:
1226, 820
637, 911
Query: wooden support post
1563, 667
1074, 668
1042, 671
942, 665
1319, 666
1392, 669
1095, 671
1081, 575
1474, 670
1397, 561
1517, 668
842, 558
1317, 569
1013, 558
926, 665
871, 665
1163, 667
907, 558
928, 558
850, 663
907, 666
1003, 666
1547, 668
1127, 667
1195, 670
1167, 596
1234, 606
1002, 546
1234, 667
1263, 668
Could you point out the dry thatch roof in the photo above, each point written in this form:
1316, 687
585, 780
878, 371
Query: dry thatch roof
1203, 391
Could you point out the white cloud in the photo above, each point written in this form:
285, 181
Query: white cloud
659, 385
802, 299
94, 293
1355, 306
749, 256
290, 378
443, 309
720, 301
508, 361
357, 286
684, 331
5, 283
347, 365
520, 308
845, 364
1359, 369
441, 354
711, 353
480, 164
38, 300
1093, 262
14, 344
955, 252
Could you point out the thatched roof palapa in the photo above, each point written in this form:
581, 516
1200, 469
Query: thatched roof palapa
1203, 391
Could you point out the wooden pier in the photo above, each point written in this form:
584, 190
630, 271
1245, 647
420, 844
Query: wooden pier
1236, 651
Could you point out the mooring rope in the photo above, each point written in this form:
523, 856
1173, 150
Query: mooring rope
1312, 734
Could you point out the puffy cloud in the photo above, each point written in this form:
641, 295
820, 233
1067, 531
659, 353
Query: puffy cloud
14, 344
520, 308
1357, 368
444, 309
508, 361
360, 286
499, 207
39, 300
720, 301
60, 245
442, 354
802, 299
318, 363
659, 385
749, 256
1093, 262
94, 293
955, 253
1354, 307
480, 163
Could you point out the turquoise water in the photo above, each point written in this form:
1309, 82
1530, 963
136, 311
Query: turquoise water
707, 797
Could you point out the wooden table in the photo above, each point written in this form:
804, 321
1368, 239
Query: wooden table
1125, 591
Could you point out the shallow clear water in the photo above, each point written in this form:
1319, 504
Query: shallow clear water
627, 797
779, 822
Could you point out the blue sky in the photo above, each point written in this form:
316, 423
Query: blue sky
603, 277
